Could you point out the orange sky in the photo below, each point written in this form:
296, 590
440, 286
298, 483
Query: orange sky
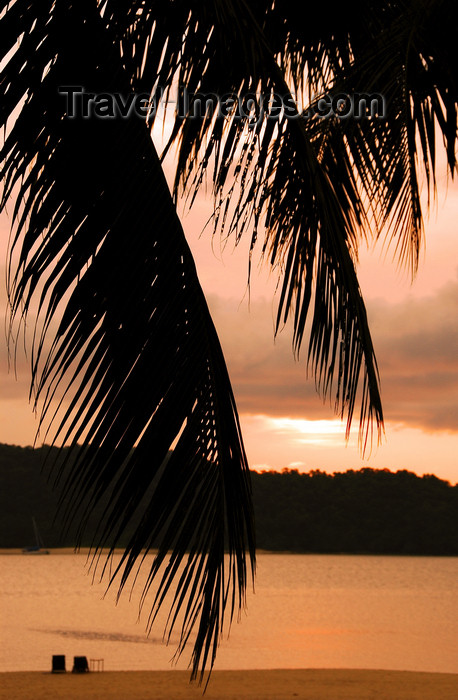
285, 423
415, 332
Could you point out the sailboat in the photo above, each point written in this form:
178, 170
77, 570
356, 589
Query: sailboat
38, 547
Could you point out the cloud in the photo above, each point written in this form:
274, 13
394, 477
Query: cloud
416, 343
417, 348
266, 377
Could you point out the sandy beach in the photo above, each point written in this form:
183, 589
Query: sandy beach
321, 684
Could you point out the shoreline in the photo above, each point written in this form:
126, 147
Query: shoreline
260, 552
275, 684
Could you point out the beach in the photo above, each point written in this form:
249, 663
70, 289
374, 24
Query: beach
310, 684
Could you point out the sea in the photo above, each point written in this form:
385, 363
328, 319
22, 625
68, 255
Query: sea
306, 611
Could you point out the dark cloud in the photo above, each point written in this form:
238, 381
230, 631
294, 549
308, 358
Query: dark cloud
416, 343
417, 349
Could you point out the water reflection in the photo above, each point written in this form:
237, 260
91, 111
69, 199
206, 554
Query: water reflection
308, 611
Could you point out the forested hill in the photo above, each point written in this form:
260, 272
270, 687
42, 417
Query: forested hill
366, 511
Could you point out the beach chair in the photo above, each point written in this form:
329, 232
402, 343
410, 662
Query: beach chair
80, 664
58, 663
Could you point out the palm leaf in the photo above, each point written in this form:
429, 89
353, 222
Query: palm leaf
133, 351
295, 177
311, 187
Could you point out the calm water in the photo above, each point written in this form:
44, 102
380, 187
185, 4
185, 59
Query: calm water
308, 611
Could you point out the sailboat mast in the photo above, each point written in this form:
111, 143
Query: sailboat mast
38, 540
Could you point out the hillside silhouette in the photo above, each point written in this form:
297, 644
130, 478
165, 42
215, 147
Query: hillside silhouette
366, 511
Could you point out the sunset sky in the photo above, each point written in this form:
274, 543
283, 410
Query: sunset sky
415, 332
284, 421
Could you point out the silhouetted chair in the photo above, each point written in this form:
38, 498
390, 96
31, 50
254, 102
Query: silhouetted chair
58, 663
80, 665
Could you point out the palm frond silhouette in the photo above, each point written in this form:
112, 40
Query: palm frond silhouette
125, 340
